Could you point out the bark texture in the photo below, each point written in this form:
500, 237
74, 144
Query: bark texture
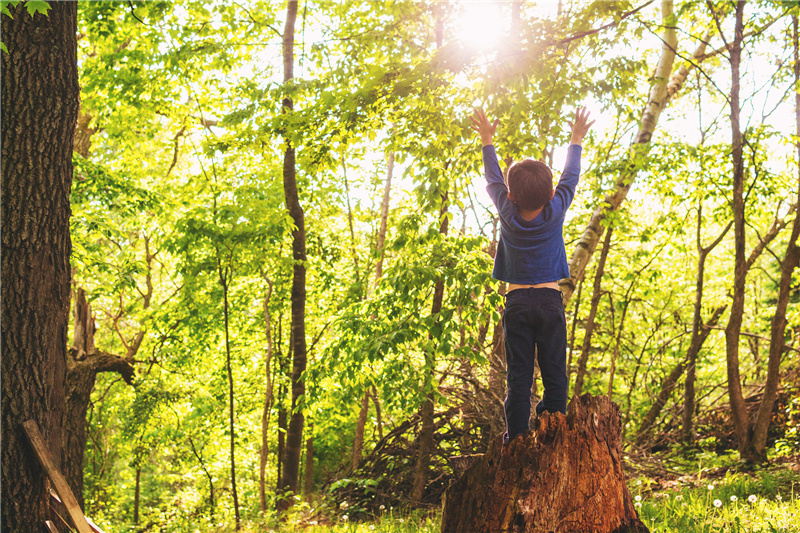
734, 327
39, 111
564, 476
294, 435
84, 362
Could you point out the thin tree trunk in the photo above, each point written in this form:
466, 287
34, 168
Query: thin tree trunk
734, 327
656, 102
617, 341
281, 452
378, 420
778, 323
597, 293
669, 383
387, 189
39, 78
136, 496
358, 441
264, 450
687, 431
426, 410
294, 436
350, 222
309, 473
223, 280
574, 325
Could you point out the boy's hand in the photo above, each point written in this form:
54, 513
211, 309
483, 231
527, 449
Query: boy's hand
581, 125
482, 125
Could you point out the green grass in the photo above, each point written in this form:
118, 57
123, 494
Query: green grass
736, 503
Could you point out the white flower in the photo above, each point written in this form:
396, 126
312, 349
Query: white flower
717, 503
401, 520
734, 498
382, 507
779, 498
344, 517
638, 498
679, 497
313, 522
371, 528
752, 498
638, 481
711, 486
637, 504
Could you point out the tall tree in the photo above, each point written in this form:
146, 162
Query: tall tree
294, 435
656, 101
39, 111
734, 326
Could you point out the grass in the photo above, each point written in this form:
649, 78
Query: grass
736, 503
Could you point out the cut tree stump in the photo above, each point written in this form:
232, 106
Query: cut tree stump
564, 476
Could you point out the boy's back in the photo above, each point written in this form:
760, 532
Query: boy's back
531, 258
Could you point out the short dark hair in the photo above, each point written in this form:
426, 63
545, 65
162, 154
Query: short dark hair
530, 183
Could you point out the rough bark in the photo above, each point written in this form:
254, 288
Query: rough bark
294, 435
564, 476
84, 362
734, 326
39, 111
657, 100
597, 293
758, 443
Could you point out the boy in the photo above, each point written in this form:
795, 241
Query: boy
531, 258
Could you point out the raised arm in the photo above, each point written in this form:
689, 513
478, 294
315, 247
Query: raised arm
565, 191
495, 184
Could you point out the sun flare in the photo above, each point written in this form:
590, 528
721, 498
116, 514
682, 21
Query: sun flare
481, 25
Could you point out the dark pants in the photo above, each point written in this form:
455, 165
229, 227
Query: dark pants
533, 321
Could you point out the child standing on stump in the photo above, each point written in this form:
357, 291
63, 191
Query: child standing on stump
531, 258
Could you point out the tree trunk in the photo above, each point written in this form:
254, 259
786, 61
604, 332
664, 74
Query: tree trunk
597, 293
734, 327
387, 189
656, 102
39, 111
308, 486
224, 278
377, 403
84, 362
281, 452
358, 441
565, 476
294, 435
757, 448
136, 494
426, 409
264, 449
687, 431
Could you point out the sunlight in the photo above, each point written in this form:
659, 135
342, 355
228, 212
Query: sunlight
481, 25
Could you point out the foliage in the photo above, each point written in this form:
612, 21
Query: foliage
183, 183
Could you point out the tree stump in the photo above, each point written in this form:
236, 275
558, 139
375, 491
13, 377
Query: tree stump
564, 476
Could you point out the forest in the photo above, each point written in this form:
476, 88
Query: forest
258, 294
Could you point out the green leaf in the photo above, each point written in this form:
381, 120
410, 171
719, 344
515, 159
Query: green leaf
37, 6
3, 47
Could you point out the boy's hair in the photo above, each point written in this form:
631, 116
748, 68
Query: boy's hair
530, 183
